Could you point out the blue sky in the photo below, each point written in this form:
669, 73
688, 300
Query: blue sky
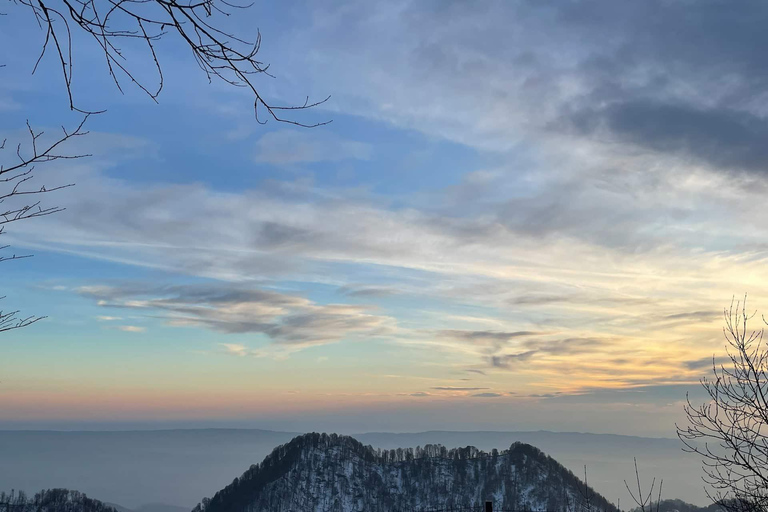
520, 208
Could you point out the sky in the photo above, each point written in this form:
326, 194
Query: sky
524, 215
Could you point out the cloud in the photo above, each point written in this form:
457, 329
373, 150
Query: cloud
255, 238
286, 319
695, 316
490, 87
131, 328
544, 395
506, 349
640, 394
484, 336
487, 395
537, 300
108, 318
568, 346
724, 138
452, 388
488, 340
507, 360
293, 147
420, 393
705, 363
236, 349
368, 291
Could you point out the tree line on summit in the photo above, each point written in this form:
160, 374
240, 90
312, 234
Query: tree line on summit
51, 500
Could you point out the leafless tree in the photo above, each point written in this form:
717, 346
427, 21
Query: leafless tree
21, 199
644, 501
730, 431
110, 24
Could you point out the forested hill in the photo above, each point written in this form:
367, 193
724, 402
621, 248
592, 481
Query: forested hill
52, 500
321, 472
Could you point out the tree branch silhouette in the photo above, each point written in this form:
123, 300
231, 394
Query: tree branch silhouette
644, 501
20, 200
219, 54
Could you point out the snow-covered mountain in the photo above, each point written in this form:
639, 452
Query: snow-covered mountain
333, 473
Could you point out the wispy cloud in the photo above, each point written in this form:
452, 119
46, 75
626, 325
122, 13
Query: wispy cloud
706, 363
453, 388
490, 341
235, 349
131, 328
368, 291
285, 319
695, 316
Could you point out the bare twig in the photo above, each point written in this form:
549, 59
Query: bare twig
644, 500
16, 189
109, 23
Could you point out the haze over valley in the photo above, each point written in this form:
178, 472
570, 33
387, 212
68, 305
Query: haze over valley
134, 468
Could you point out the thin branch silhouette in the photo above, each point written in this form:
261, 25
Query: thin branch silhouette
19, 198
729, 431
644, 501
198, 23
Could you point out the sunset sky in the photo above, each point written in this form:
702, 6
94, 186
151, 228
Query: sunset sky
524, 215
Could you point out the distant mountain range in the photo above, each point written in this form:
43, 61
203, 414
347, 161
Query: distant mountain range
332, 473
133, 468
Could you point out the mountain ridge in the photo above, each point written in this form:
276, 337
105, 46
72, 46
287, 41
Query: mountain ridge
353, 434
540, 431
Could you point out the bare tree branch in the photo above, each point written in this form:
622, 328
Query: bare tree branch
9, 320
197, 23
19, 199
644, 500
730, 432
